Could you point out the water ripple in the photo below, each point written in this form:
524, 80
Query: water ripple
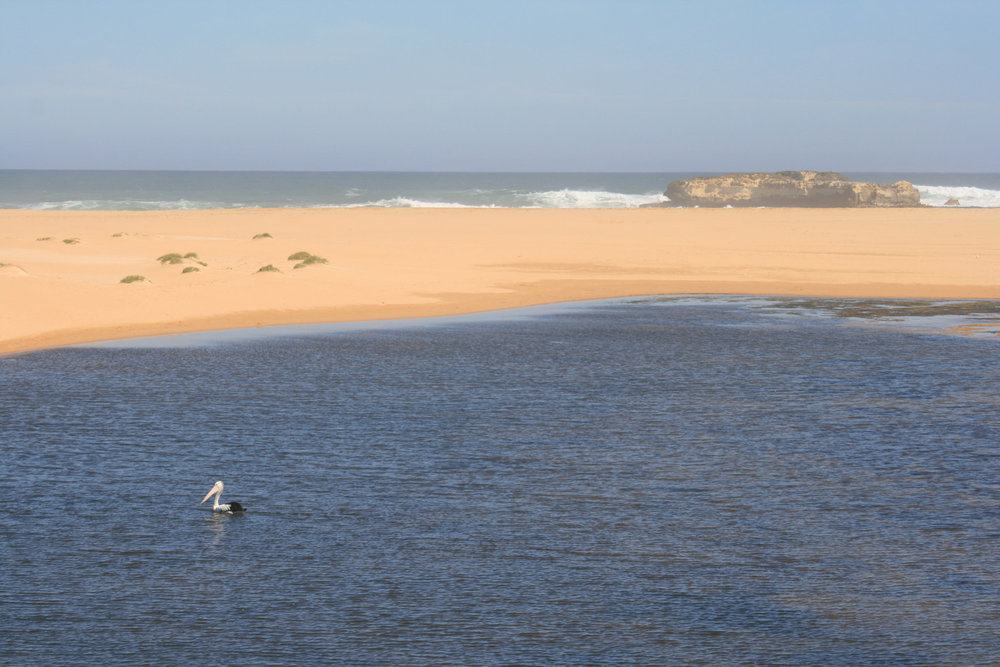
635, 483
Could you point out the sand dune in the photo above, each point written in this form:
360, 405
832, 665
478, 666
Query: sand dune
60, 282
11, 270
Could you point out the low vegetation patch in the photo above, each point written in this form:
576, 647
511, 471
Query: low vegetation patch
177, 258
44, 238
71, 241
305, 259
268, 269
265, 235
133, 279
309, 261
190, 269
170, 258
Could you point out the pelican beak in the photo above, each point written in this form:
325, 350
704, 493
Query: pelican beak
210, 493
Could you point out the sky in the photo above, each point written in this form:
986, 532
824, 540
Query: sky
501, 85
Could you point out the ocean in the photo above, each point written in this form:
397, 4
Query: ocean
157, 190
682, 480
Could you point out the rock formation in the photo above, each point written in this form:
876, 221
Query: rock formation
789, 188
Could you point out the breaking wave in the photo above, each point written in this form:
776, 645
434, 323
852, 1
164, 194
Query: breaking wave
967, 197
400, 202
565, 198
589, 199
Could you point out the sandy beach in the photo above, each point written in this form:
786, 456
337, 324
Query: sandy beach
61, 272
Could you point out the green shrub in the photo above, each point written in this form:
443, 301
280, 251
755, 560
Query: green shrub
177, 258
71, 241
310, 260
133, 279
190, 269
305, 259
265, 235
269, 268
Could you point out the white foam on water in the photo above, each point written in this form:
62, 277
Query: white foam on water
543, 199
589, 199
403, 202
967, 196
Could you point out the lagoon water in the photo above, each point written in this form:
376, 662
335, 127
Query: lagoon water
653, 481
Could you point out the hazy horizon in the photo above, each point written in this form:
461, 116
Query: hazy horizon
546, 86
502, 171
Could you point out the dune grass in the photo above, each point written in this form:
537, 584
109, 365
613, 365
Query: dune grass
177, 258
309, 261
44, 238
133, 279
190, 269
264, 235
170, 258
305, 259
269, 269
71, 241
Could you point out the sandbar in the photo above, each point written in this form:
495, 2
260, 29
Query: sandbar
61, 271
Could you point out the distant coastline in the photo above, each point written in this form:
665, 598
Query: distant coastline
206, 190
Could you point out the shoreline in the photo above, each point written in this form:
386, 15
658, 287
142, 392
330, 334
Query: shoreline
60, 271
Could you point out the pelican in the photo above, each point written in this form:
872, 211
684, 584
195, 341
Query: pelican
229, 508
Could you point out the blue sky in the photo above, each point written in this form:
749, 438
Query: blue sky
537, 85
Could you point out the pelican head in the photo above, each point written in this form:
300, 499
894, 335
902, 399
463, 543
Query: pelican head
216, 491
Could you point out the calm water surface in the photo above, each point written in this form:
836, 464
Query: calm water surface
652, 482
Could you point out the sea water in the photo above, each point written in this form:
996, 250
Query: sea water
152, 190
649, 481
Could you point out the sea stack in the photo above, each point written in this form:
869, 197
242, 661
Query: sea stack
820, 189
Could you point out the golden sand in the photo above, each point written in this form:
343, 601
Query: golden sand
61, 271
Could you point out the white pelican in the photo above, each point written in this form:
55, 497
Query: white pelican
230, 508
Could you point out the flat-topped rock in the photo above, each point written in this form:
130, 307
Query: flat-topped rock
825, 189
